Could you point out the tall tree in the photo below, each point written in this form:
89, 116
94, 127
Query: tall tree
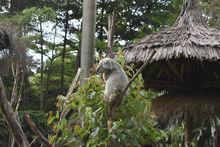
66, 27
34, 18
88, 36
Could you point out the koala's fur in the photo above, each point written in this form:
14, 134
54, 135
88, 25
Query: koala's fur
116, 81
115, 77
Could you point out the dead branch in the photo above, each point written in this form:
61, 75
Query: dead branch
73, 87
111, 30
18, 77
33, 141
137, 73
35, 130
11, 119
110, 34
74, 84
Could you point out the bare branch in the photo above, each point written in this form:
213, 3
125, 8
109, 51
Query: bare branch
111, 30
106, 31
11, 119
33, 141
14, 93
138, 72
35, 130
72, 88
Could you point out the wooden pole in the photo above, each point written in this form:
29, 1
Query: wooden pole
188, 130
214, 133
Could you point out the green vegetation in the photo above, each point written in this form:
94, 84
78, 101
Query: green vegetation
135, 125
51, 31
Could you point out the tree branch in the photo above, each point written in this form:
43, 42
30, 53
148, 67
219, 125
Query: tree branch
35, 130
14, 94
11, 119
137, 73
72, 88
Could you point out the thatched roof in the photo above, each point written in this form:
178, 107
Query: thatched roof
172, 108
190, 37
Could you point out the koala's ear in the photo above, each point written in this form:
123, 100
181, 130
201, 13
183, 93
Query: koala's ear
107, 65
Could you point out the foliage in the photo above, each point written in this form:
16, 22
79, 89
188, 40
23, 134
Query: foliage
135, 19
53, 82
213, 12
87, 124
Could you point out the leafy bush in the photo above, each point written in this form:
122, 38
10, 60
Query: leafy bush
88, 124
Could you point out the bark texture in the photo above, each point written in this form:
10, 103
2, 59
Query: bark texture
88, 36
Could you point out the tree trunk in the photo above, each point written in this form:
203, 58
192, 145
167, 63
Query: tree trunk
42, 68
78, 56
66, 26
50, 67
48, 83
111, 29
100, 36
188, 130
25, 94
88, 36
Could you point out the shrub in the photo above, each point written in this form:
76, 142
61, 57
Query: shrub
88, 124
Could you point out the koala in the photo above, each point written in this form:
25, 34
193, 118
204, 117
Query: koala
115, 77
116, 81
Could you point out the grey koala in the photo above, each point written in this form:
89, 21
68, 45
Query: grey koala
116, 81
115, 77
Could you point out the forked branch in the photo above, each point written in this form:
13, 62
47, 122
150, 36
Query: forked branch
11, 118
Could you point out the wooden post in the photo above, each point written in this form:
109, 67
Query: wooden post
188, 127
218, 137
214, 134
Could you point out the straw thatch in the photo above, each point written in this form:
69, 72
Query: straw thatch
202, 107
185, 56
189, 37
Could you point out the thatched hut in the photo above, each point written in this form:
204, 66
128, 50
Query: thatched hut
186, 55
184, 60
